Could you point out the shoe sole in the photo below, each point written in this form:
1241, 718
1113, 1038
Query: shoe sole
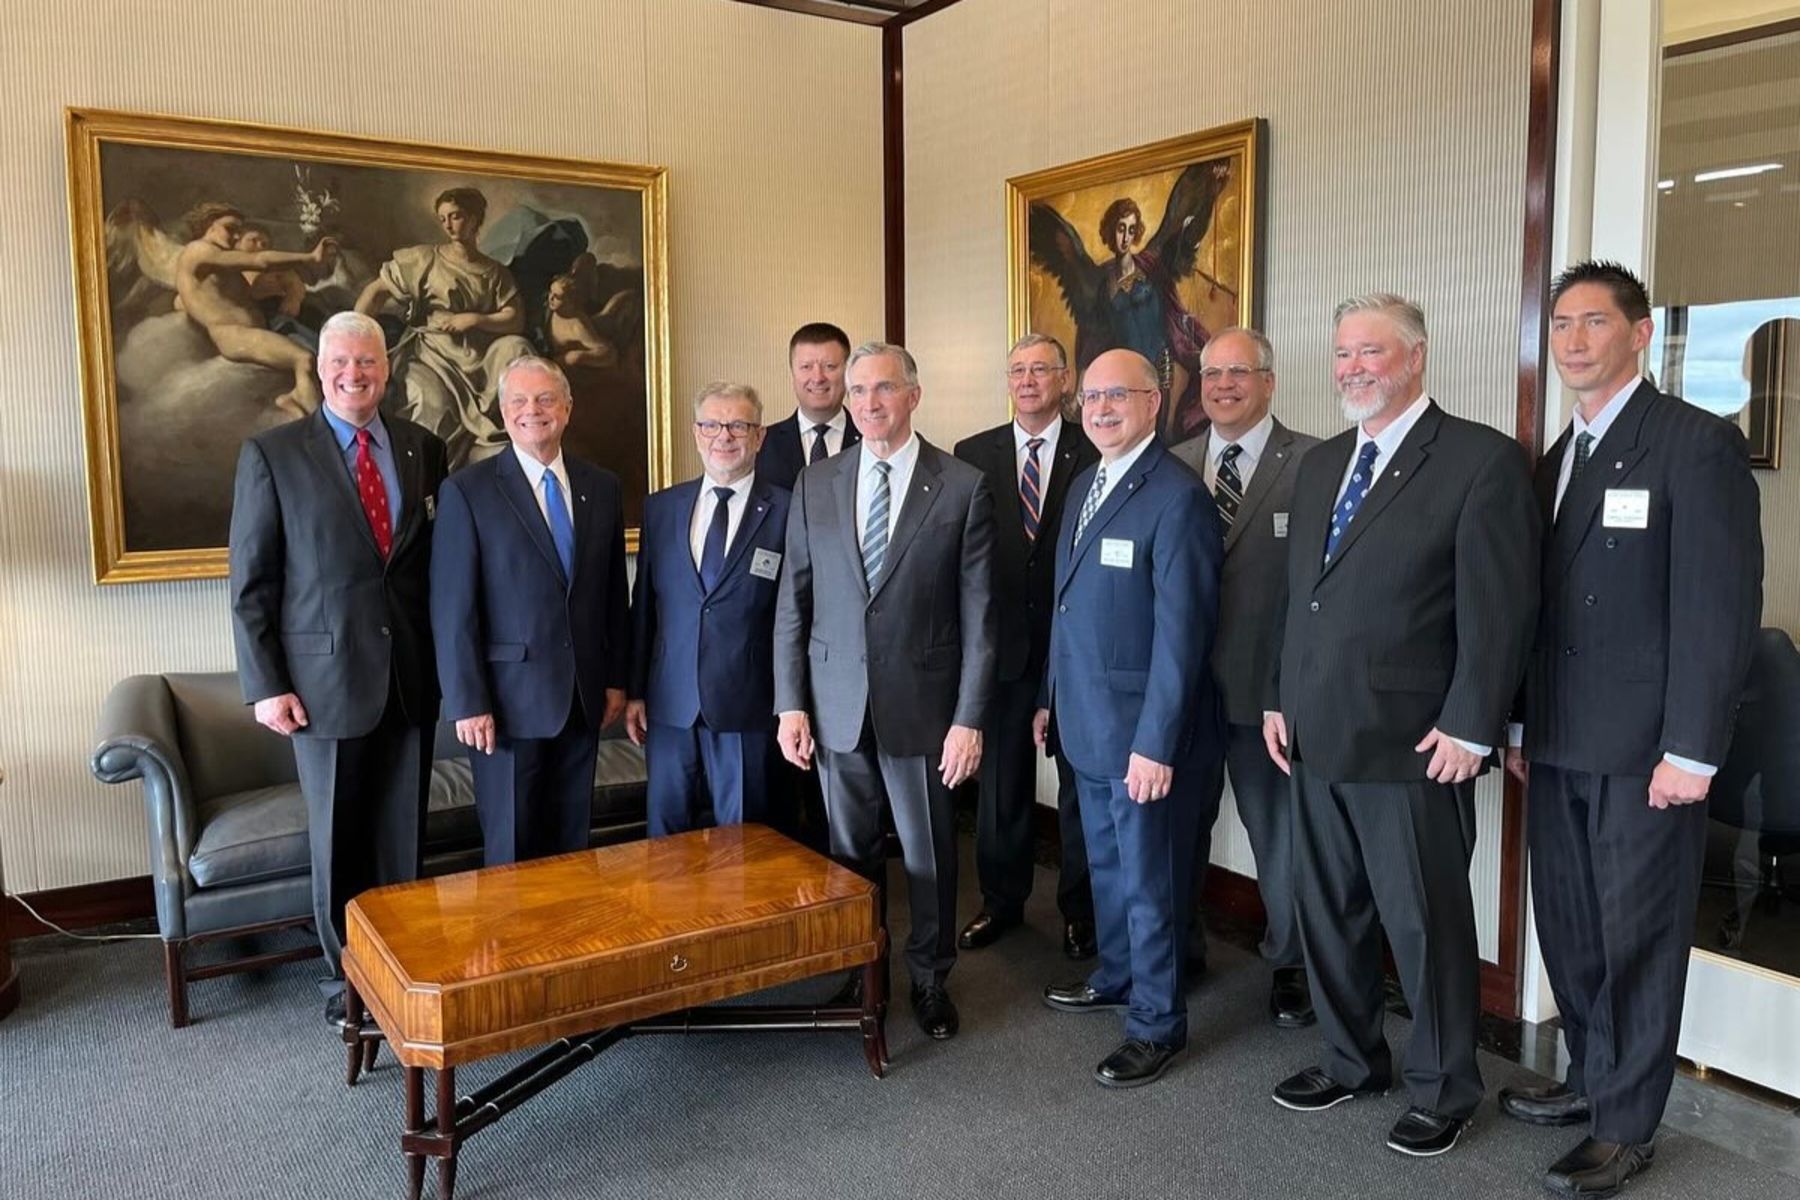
1557, 1189
1123, 1084
1415, 1152
1291, 1106
1294, 1022
1083, 1008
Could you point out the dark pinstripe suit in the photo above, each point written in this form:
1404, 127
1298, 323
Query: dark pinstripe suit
1643, 643
1420, 621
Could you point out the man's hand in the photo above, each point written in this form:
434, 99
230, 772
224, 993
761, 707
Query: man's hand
1516, 765
284, 713
1451, 761
477, 732
1275, 739
1670, 785
962, 755
795, 738
445, 322
615, 706
636, 727
1040, 727
1146, 781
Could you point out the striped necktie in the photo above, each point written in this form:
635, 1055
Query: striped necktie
1228, 488
875, 533
1031, 489
1091, 505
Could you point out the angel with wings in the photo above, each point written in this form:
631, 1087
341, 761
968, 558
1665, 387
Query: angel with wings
1132, 298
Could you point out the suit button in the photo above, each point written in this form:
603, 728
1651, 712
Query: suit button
1314, 606
1570, 651
874, 612
384, 631
1612, 543
1589, 601
1062, 608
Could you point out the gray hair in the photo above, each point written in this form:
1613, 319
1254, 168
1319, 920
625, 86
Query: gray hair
1406, 314
352, 324
531, 362
729, 391
1265, 349
909, 369
1041, 339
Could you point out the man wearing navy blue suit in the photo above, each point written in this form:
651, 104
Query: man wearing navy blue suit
703, 627
1130, 699
528, 610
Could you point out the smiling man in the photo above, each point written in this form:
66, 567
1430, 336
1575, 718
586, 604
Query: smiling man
819, 425
528, 604
330, 565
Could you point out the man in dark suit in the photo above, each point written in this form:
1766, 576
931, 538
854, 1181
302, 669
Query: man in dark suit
1128, 698
1028, 463
819, 426
1249, 460
1652, 578
703, 627
330, 586
884, 650
528, 606
1411, 589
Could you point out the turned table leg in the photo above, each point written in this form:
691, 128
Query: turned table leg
415, 1125
446, 1127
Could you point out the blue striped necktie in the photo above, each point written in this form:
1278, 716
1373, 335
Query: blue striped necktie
1031, 489
1361, 479
875, 533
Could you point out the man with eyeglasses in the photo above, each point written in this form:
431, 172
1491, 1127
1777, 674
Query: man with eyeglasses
1129, 700
528, 607
1249, 460
819, 425
884, 651
703, 618
1028, 462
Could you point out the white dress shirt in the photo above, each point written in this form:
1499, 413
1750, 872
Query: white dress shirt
708, 503
534, 475
1116, 470
834, 433
1388, 440
900, 473
1250, 451
1602, 422
1046, 452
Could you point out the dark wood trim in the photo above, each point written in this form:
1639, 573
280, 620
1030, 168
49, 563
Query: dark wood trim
82, 907
1755, 33
9, 982
831, 12
893, 179
918, 13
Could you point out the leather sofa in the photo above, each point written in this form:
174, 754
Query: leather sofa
228, 846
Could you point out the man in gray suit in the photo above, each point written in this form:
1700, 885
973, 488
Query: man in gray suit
895, 689
1249, 461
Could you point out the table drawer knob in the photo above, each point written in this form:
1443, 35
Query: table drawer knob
678, 963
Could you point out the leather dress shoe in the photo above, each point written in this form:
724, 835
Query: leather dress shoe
1312, 1090
1598, 1169
1290, 1000
1551, 1105
934, 1012
1424, 1134
1080, 998
1078, 940
1135, 1063
984, 930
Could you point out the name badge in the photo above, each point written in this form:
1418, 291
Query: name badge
1116, 552
1281, 525
1626, 508
765, 564
430, 507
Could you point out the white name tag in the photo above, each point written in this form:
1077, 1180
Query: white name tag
1626, 508
1115, 552
765, 564
1281, 525
430, 507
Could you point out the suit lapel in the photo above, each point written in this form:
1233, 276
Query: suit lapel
1116, 500
756, 509
1277, 457
322, 444
1391, 479
513, 486
582, 492
1610, 461
1068, 464
921, 494
412, 493
843, 495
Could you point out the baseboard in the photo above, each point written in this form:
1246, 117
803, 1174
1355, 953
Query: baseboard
110, 902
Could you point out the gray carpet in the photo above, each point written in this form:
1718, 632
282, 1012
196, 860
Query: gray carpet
100, 1098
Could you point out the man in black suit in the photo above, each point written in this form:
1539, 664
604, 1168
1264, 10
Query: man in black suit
819, 425
1028, 463
1249, 460
1652, 579
330, 553
1411, 591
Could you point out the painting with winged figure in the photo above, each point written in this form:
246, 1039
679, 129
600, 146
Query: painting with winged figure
209, 254
1152, 249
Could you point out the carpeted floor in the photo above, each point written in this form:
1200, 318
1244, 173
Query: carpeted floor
100, 1098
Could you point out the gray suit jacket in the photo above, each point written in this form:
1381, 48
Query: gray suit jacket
1255, 567
916, 656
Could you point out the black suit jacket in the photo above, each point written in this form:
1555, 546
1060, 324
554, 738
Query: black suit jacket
1424, 614
783, 455
1024, 569
315, 608
1645, 635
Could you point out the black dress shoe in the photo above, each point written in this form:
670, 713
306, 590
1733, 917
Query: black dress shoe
1290, 1000
1598, 1169
334, 1009
1135, 1063
1551, 1105
1080, 998
984, 930
1078, 940
1312, 1090
1425, 1134
934, 1011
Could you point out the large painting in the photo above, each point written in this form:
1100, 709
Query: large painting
209, 253
1153, 249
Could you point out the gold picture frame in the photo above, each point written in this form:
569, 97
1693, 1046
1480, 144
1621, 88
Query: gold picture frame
169, 396
1191, 212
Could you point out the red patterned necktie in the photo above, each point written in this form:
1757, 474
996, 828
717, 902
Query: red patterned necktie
373, 491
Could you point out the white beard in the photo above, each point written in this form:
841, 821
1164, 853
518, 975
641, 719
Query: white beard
1358, 411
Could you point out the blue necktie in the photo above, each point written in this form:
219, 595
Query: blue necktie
562, 532
875, 533
712, 553
1361, 480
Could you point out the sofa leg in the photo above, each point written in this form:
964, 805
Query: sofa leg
175, 968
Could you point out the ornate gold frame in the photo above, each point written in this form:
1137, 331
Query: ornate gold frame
88, 128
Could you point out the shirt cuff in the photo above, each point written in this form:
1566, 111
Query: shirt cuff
1475, 748
1515, 734
1690, 766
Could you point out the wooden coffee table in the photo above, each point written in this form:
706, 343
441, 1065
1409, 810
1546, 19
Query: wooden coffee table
583, 950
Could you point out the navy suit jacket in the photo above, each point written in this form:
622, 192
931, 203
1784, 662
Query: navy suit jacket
700, 655
782, 455
1130, 645
515, 637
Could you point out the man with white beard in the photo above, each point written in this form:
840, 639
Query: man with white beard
1411, 597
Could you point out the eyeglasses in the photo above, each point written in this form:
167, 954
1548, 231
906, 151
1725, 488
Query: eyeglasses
1237, 373
737, 429
1034, 370
1117, 395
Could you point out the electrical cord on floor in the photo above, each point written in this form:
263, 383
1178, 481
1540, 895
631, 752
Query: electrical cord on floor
80, 937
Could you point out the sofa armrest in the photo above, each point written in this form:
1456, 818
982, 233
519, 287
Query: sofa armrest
138, 740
